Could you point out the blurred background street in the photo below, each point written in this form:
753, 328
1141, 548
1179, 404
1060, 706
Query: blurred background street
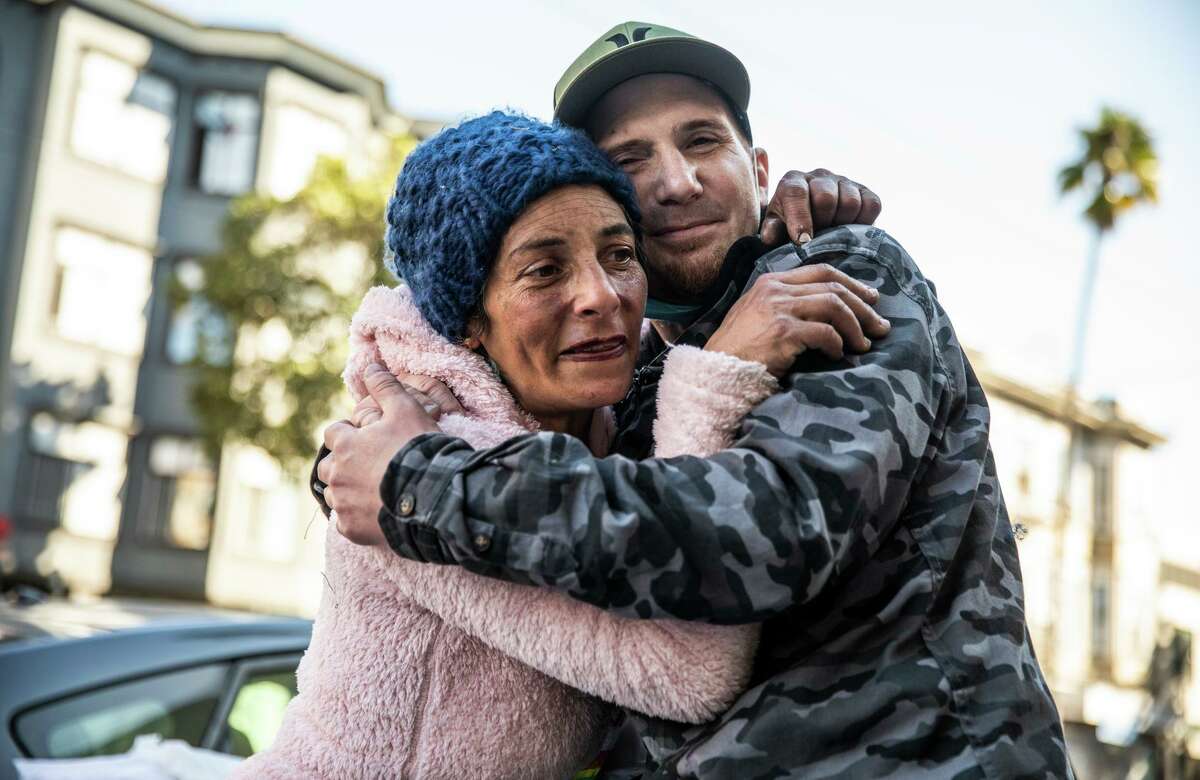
191, 198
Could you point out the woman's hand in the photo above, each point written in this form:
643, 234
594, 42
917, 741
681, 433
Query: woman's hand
788, 312
368, 409
807, 201
362, 448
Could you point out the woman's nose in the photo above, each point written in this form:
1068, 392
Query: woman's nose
594, 292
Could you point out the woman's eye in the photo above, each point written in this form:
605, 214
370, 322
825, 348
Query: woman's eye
544, 272
621, 258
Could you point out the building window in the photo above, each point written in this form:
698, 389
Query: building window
123, 117
299, 138
72, 475
1102, 495
198, 331
226, 127
44, 482
103, 287
1101, 617
178, 495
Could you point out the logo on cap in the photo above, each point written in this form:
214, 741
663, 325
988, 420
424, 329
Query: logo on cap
639, 34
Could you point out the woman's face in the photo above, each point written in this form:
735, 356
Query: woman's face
564, 303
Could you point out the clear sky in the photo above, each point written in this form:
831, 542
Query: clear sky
957, 114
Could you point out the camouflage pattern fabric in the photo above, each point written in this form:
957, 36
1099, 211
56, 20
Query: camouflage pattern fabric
858, 515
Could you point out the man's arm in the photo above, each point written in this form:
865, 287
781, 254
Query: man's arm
813, 485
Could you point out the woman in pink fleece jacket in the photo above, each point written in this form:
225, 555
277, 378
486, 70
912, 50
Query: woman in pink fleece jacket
432, 672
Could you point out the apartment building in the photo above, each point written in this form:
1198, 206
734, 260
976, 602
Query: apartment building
124, 133
1113, 617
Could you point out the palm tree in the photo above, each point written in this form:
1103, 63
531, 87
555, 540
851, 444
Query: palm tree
1117, 171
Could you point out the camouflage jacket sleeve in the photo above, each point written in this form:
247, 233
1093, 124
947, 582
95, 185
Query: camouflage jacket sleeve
817, 477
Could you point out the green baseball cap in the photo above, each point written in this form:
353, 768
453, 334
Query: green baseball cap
634, 49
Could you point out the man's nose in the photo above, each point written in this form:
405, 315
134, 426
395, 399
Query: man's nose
677, 181
594, 292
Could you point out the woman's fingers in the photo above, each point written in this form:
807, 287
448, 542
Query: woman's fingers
810, 280
434, 391
820, 336
431, 407
366, 412
828, 307
823, 272
784, 313
871, 324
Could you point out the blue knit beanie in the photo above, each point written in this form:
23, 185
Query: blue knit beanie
459, 192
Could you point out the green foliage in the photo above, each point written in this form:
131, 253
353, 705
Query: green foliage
1117, 171
287, 279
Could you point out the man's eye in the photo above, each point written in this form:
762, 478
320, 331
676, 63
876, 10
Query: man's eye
627, 162
544, 272
704, 140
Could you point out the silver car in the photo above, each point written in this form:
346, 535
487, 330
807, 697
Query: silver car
82, 680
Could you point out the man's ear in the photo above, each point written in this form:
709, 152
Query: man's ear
761, 175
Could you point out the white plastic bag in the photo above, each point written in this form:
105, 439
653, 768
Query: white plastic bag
150, 758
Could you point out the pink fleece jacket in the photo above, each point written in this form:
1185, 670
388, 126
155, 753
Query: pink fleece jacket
420, 671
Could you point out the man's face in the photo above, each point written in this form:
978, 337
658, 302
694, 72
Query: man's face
699, 185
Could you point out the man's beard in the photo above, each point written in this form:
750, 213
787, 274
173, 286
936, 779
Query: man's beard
683, 277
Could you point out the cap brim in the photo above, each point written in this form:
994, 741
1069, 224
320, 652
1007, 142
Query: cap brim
689, 56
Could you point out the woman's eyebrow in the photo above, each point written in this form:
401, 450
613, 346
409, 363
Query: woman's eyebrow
617, 229
540, 243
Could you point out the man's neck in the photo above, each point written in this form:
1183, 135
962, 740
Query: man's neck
736, 268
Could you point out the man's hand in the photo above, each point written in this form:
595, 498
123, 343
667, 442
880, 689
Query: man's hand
805, 202
359, 456
811, 307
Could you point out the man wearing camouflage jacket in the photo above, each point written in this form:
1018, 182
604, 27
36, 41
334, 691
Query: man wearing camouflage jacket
858, 515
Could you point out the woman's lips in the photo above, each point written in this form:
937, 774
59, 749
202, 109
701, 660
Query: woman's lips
596, 350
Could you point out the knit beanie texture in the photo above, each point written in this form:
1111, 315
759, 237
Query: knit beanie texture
460, 191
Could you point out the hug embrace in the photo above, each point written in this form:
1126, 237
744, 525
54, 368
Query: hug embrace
651, 476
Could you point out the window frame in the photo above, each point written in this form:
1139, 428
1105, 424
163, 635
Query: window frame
1100, 634
242, 671
280, 111
171, 262
195, 151
52, 310
25, 468
73, 115
156, 534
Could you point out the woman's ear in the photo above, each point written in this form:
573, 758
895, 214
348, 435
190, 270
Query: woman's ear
476, 327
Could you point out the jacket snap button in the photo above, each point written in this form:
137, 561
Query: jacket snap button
482, 542
406, 505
